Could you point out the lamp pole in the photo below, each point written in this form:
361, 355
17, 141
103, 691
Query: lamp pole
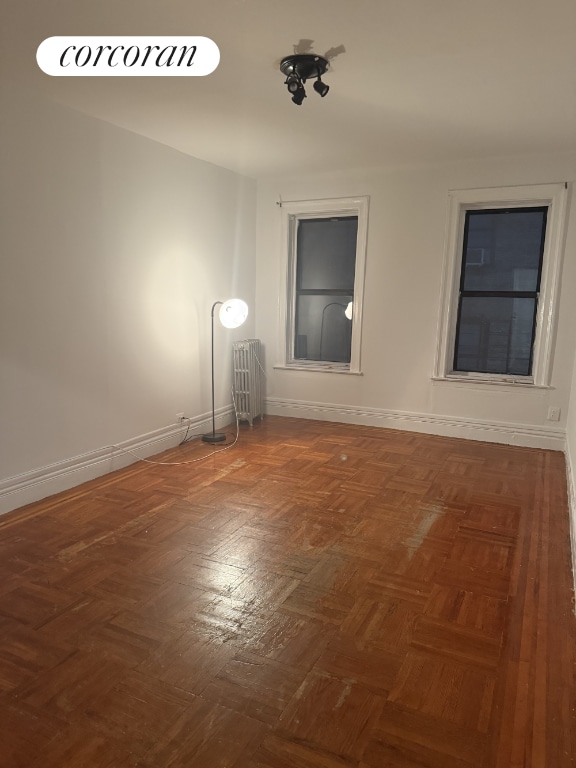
213, 437
233, 313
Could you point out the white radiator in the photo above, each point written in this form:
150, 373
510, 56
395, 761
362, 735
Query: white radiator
247, 380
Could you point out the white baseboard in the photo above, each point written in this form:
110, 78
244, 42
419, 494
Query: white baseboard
571, 478
526, 435
39, 483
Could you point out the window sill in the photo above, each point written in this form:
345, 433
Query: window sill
318, 368
506, 381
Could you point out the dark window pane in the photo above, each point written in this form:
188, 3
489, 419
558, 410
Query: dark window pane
323, 332
503, 249
325, 268
326, 251
495, 335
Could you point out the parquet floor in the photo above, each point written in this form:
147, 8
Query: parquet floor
319, 596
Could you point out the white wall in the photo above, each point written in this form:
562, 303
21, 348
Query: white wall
406, 234
112, 250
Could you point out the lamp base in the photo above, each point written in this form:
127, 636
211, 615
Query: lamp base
214, 437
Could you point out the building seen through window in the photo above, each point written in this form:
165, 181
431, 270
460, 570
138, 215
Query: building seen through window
499, 289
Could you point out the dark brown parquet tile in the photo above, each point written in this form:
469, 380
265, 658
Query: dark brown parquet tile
482, 613
387, 623
345, 575
124, 640
190, 662
126, 588
407, 739
452, 692
175, 604
66, 688
76, 575
321, 596
503, 518
205, 735
137, 708
350, 658
25, 652
326, 606
262, 590
296, 642
456, 642
35, 604
475, 578
464, 466
420, 564
26, 733
78, 746
280, 753
85, 616
334, 714
258, 687
196, 570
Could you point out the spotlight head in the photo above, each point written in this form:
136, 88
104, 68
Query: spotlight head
321, 87
292, 83
299, 95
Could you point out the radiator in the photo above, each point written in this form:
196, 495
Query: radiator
247, 380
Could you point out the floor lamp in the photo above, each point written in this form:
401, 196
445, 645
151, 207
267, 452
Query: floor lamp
232, 314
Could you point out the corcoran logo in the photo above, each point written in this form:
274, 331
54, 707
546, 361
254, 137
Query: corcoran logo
127, 56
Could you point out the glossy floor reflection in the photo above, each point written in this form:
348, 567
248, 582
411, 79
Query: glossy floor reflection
320, 596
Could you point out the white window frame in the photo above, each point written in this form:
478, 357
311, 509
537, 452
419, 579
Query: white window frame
292, 213
554, 196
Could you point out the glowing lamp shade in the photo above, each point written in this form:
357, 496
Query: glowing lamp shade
348, 311
233, 313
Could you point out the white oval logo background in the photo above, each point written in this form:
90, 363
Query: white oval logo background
128, 56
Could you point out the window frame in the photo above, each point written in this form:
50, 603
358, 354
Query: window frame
554, 198
292, 213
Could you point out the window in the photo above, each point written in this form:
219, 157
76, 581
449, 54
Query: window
499, 286
324, 289
502, 272
326, 244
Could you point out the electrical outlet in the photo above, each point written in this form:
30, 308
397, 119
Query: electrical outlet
179, 417
553, 413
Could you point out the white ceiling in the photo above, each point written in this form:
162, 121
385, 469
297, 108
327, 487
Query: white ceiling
417, 81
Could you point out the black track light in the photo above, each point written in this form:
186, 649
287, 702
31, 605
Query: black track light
299, 95
301, 67
321, 87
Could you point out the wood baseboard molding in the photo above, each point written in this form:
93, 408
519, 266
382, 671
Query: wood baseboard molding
526, 435
37, 484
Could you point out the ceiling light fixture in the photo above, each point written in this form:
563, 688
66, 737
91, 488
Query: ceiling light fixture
301, 67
